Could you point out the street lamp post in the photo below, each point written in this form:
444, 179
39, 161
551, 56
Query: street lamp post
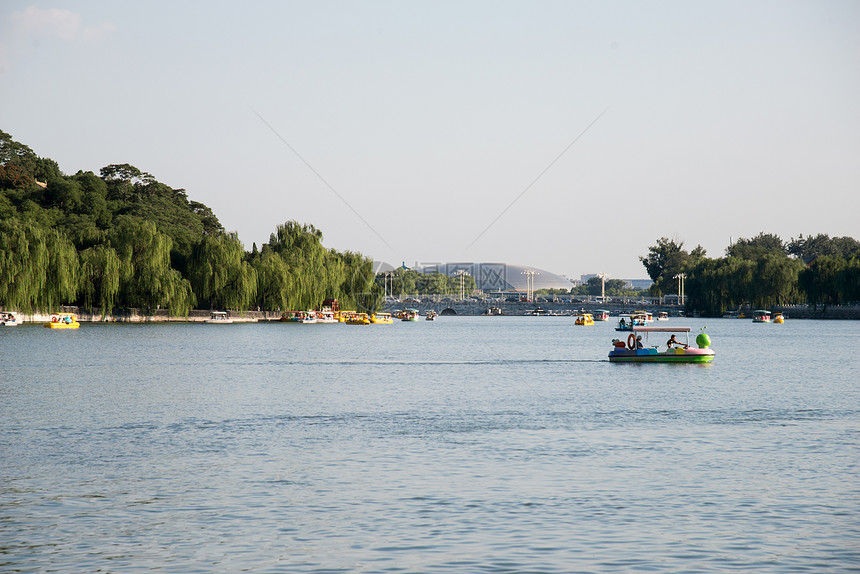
530, 282
680, 277
602, 287
462, 273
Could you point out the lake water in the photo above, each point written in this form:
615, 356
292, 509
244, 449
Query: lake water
468, 444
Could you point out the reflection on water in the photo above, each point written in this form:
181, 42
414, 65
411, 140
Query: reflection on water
485, 444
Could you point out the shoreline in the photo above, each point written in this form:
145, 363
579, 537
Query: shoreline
461, 308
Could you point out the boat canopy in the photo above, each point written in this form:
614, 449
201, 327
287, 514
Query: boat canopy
661, 329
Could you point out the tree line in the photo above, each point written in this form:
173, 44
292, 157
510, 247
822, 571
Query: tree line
122, 239
760, 272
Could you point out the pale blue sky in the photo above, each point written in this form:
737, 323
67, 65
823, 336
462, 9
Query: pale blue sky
722, 119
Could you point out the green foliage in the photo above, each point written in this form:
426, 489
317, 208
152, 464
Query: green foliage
821, 281
273, 281
759, 272
295, 272
122, 238
219, 274
38, 267
101, 272
666, 260
129, 191
811, 247
147, 280
757, 247
717, 285
614, 287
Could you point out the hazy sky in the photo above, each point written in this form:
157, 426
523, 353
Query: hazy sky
404, 130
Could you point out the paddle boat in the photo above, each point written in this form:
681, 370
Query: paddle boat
663, 316
343, 316
63, 321
431, 316
218, 318
409, 315
381, 319
326, 317
9, 319
637, 351
761, 316
539, 312
358, 319
584, 319
299, 317
601, 315
627, 322
778, 318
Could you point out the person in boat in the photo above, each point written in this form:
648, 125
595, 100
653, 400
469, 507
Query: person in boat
622, 323
674, 342
639, 344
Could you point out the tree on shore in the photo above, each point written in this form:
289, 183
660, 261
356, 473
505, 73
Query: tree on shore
220, 276
124, 239
665, 261
147, 280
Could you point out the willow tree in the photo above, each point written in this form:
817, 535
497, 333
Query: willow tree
308, 273
300, 246
147, 281
61, 271
38, 267
358, 288
849, 280
775, 281
820, 280
101, 272
273, 280
219, 274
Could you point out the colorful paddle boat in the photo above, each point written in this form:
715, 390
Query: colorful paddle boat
218, 318
9, 319
601, 315
778, 318
761, 316
63, 321
627, 322
638, 351
584, 319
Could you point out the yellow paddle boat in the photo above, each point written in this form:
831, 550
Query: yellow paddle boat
63, 321
584, 319
358, 319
